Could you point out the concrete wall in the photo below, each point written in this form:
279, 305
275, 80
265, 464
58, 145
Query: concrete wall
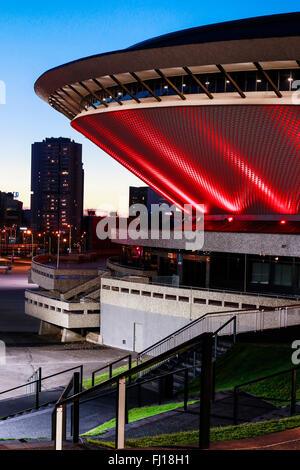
61, 280
162, 310
62, 313
118, 327
233, 242
121, 269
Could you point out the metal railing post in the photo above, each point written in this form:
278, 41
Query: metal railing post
93, 379
293, 394
139, 395
53, 425
75, 420
186, 389
40, 378
215, 346
37, 395
81, 378
129, 366
234, 329
110, 371
213, 391
205, 390
235, 405
120, 415
160, 390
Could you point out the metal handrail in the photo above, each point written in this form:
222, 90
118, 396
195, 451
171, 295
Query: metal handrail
198, 320
110, 365
215, 333
267, 377
74, 384
292, 370
138, 368
186, 327
37, 375
120, 380
38, 388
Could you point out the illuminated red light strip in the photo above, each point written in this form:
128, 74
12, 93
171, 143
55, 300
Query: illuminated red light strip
178, 152
287, 119
237, 162
157, 143
108, 150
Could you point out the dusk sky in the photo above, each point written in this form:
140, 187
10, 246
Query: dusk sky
36, 36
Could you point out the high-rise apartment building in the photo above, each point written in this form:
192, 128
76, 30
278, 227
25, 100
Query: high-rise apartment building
56, 185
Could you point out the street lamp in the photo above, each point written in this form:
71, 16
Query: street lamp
58, 247
83, 237
29, 232
70, 238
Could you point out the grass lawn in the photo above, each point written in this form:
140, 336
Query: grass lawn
248, 361
242, 431
137, 413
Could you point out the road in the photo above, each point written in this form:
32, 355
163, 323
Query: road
25, 350
12, 309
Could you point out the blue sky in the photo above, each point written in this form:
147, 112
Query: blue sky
36, 36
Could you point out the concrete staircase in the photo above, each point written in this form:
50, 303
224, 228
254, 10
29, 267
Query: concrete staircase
190, 359
24, 404
85, 288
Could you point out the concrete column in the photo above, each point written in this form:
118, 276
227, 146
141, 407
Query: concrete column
69, 336
60, 427
207, 272
48, 329
121, 413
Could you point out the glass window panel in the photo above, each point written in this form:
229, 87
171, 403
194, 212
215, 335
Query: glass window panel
251, 81
284, 80
283, 275
260, 273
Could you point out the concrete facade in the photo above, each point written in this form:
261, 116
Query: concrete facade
71, 315
50, 278
231, 242
136, 315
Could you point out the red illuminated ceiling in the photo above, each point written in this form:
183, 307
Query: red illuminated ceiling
241, 159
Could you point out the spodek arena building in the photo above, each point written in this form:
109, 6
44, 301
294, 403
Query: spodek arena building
206, 115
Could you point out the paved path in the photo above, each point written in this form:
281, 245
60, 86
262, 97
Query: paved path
12, 305
178, 420
23, 358
283, 440
39, 446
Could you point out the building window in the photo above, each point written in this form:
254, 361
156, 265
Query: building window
283, 275
260, 273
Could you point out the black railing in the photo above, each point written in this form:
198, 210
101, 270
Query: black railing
36, 385
189, 327
75, 386
291, 399
110, 367
215, 336
121, 380
34, 381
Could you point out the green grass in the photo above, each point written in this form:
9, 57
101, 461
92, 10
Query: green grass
248, 361
242, 363
228, 433
137, 413
87, 383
